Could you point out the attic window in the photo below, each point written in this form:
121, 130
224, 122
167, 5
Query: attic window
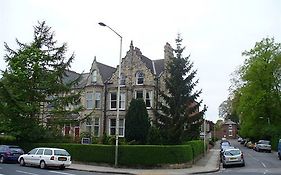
139, 78
94, 76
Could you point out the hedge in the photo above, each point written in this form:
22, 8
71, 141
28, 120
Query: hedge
129, 155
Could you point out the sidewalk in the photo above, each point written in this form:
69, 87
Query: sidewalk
208, 163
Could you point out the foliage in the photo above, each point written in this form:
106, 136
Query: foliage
179, 117
154, 136
145, 155
34, 89
137, 122
258, 98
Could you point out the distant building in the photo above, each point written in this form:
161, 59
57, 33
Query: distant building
228, 130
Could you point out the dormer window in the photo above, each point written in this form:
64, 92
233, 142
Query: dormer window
122, 80
139, 78
94, 76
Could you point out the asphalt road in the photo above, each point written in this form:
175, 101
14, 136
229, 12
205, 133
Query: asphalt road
256, 163
16, 169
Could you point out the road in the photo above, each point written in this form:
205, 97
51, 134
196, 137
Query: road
256, 163
16, 169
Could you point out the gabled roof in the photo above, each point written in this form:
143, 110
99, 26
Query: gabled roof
229, 122
105, 71
159, 66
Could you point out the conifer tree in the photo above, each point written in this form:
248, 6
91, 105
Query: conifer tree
36, 77
137, 122
178, 117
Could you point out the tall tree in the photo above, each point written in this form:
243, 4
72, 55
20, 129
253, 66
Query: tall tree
179, 117
260, 96
137, 122
35, 79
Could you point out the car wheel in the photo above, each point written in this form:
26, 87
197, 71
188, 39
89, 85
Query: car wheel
1, 159
62, 167
223, 165
42, 164
22, 162
279, 156
243, 164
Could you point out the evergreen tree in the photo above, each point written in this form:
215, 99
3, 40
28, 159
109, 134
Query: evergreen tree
178, 117
35, 78
137, 122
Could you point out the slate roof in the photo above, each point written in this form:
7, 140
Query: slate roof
159, 66
105, 71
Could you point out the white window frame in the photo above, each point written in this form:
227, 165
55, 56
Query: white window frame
139, 77
98, 100
111, 101
94, 76
121, 127
89, 100
89, 124
122, 101
230, 133
136, 92
97, 126
149, 98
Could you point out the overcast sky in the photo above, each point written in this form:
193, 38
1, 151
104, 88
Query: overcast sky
215, 32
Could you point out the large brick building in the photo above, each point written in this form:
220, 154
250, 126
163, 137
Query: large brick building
140, 78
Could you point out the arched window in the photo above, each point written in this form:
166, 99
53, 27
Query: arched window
94, 76
139, 78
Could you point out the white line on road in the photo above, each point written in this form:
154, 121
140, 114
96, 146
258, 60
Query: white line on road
57, 172
263, 164
26, 172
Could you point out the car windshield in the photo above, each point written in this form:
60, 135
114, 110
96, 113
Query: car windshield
61, 153
232, 152
16, 149
264, 142
225, 144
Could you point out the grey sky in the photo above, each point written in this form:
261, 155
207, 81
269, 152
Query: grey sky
215, 32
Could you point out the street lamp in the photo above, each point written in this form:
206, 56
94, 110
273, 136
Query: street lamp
118, 93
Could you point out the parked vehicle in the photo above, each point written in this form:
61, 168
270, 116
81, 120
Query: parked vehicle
232, 156
250, 145
279, 149
223, 146
10, 153
239, 139
263, 145
46, 157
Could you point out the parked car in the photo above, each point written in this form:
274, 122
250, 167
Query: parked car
263, 145
232, 156
46, 157
10, 153
279, 149
223, 146
239, 139
250, 145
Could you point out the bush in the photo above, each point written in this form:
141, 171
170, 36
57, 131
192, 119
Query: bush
145, 155
197, 147
153, 155
5, 139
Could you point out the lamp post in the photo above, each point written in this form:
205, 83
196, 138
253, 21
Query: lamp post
118, 93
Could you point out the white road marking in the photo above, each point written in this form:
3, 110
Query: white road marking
57, 172
26, 172
263, 164
2, 174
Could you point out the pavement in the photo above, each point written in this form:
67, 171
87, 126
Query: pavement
207, 164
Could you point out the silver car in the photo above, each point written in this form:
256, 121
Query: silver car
263, 145
232, 156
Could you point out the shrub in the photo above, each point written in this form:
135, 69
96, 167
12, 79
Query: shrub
153, 155
5, 139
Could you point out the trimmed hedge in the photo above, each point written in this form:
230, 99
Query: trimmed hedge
149, 155
4, 139
129, 155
